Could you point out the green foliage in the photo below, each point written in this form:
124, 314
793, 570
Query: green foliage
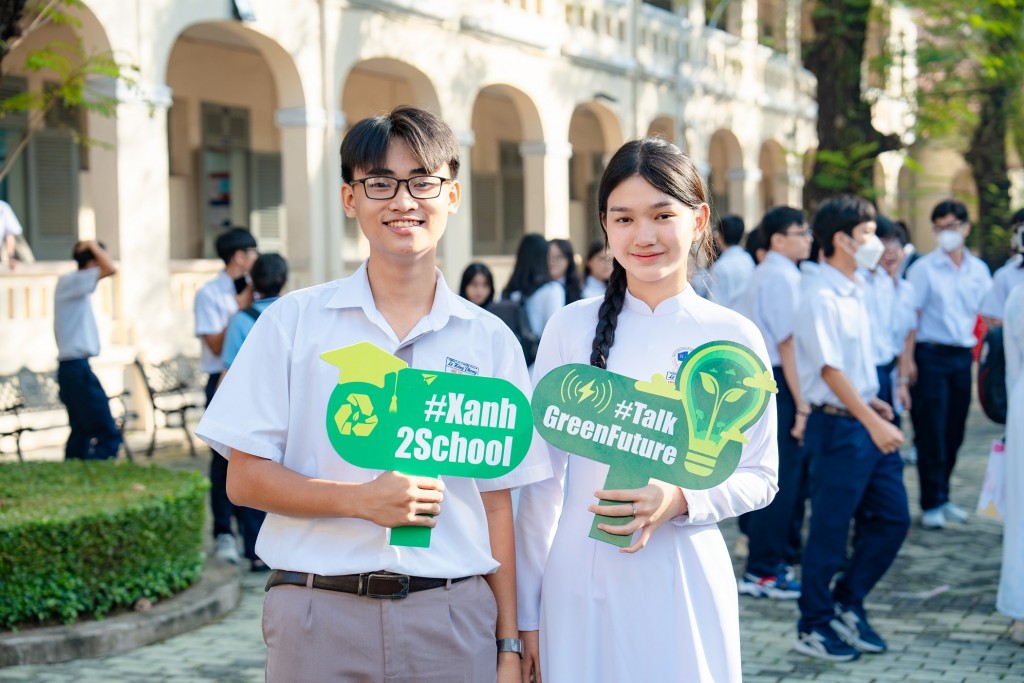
84, 538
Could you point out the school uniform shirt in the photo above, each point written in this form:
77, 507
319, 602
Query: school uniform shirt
948, 296
905, 314
543, 303
731, 275
771, 301
214, 305
671, 610
880, 300
273, 405
74, 324
238, 329
1004, 280
834, 330
593, 287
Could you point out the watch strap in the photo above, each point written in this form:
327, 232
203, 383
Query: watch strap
510, 645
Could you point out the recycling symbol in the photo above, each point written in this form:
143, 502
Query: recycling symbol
355, 416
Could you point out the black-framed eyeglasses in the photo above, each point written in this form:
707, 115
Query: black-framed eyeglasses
798, 233
420, 187
957, 225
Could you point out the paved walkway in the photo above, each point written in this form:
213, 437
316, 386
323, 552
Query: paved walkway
935, 606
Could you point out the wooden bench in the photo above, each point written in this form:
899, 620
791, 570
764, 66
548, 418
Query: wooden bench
174, 386
30, 402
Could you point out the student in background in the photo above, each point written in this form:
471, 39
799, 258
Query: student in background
596, 269
1007, 277
531, 283
562, 268
732, 270
477, 285
850, 440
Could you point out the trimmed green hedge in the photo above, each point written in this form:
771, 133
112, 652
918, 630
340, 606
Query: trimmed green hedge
84, 538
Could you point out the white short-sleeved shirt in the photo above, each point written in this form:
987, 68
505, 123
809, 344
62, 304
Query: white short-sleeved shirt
1004, 280
9, 224
731, 275
834, 330
771, 301
74, 324
880, 300
542, 304
215, 304
948, 297
273, 405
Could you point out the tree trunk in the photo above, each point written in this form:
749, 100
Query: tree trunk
989, 164
845, 132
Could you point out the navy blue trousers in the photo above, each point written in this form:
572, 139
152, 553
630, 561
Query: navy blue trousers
249, 520
94, 435
850, 481
769, 529
940, 401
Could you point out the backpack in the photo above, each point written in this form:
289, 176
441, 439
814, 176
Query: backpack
514, 316
253, 313
992, 376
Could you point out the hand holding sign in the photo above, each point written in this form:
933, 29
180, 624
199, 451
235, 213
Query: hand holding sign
690, 435
385, 415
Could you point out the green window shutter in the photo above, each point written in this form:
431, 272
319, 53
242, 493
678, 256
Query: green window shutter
267, 201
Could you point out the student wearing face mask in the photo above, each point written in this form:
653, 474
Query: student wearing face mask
883, 308
849, 439
949, 284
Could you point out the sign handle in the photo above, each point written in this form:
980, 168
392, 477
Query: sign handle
618, 478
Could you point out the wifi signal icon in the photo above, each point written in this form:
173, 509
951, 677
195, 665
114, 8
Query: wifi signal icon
578, 389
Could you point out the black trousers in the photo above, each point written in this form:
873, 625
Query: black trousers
94, 435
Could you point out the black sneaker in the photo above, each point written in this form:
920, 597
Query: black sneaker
852, 626
822, 642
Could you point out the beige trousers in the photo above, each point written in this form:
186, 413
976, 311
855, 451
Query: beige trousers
442, 635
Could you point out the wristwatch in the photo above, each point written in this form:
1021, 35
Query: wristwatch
510, 645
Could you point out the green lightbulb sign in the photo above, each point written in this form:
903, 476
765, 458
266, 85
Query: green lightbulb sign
385, 415
689, 435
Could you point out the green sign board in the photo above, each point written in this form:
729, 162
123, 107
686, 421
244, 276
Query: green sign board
385, 415
689, 434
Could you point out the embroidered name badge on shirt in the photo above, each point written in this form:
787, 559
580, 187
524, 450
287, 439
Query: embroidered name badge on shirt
460, 367
678, 356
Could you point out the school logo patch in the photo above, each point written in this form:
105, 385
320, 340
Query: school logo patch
678, 356
459, 367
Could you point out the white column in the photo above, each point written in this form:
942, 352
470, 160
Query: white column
456, 249
793, 23
143, 216
546, 166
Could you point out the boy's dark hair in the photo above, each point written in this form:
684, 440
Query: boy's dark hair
666, 168
731, 228
471, 271
1017, 218
902, 232
234, 239
83, 256
780, 219
430, 140
950, 206
885, 229
269, 275
840, 214
755, 241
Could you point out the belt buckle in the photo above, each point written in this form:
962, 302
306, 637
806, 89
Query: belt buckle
387, 586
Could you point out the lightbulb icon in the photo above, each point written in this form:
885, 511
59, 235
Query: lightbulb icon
725, 388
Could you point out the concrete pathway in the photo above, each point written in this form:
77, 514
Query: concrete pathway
935, 606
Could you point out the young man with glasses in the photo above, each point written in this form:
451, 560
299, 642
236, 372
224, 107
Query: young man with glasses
949, 284
771, 302
326, 531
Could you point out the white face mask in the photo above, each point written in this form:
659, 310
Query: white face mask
950, 240
869, 253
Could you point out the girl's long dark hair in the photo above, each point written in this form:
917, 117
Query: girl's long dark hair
471, 271
530, 272
573, 283
667, 168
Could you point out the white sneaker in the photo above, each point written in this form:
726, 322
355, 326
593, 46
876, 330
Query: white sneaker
225, 547
953, 513
933, 519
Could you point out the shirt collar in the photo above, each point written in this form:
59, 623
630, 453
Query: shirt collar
839, 282
672, 304
779, 261
354, 292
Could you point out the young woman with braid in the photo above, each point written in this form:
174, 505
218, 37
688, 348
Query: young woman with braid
664, 608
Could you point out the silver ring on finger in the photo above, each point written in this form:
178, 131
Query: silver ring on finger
634, 510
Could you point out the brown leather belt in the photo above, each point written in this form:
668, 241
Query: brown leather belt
831, 410
384, 585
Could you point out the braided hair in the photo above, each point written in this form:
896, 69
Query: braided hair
665, 167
